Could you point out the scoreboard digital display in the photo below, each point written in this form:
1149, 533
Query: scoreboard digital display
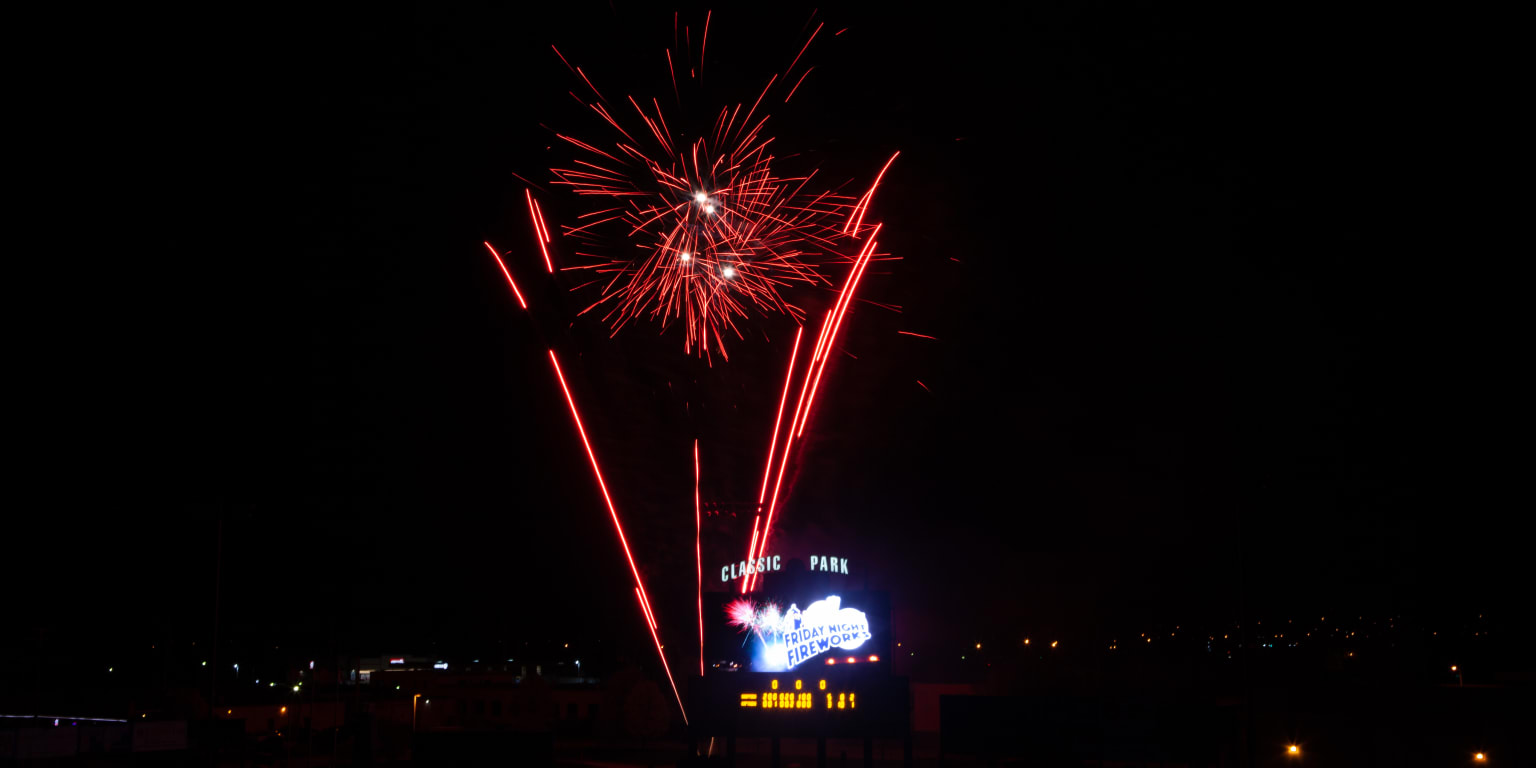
838, 703
800, 697
799, 662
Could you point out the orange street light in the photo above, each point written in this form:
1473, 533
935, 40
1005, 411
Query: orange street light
1293, 750
1479, 758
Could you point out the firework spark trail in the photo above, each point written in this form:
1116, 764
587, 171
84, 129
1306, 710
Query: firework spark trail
619, 528
789, 376
538, 230
824, 346
837, 324
752, 547
504, 271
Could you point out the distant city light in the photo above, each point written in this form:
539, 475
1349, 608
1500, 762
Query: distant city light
874, 658
205, 663
295, 689
311, 665
1293, 750
1053, 643
978, 646
1026, 641
1480, 757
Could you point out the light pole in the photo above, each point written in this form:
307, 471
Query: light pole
1457, 670
413, 712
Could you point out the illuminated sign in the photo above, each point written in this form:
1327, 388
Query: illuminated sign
799, 699
744, 568
749, 567
397, 661
824, 625
787, 639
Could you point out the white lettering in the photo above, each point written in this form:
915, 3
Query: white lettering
775, 562
725, 573
844, 562
824, 625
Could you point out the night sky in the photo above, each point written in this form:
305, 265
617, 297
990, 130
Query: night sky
1207, 335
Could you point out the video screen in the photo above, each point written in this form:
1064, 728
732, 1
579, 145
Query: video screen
796, 630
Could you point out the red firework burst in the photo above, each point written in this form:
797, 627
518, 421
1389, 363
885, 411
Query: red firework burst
705, 233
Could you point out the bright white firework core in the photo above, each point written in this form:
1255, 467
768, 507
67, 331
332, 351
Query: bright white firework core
683, 257
728, 272
700, 197
709, 209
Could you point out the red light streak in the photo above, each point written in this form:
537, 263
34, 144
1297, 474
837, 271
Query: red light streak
842, 307
759, 545
645, 609
797, 85
789, 376
704, 44
619, 528
538, 231
543, 228
510, 281
919, 335
803, 47
863, 205
829, 331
